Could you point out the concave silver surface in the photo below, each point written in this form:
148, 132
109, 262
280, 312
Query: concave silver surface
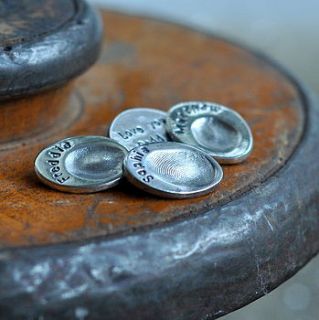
216, 129
172, 170
139, 126
81, 164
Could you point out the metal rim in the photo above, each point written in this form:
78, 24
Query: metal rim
168, 193
232, 116
90, 186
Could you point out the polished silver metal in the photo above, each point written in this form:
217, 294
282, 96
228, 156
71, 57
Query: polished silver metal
81, 164
139, 126
172, 170
216, 129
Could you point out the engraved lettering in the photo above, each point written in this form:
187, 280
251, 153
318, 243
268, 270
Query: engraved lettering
129, 133
58, 148
63, 179
181, 118
142, 172
53, 162
148, 178
138, 165
125, 137
145, 149
54, 154
157, 123
140, 169
55, 169
137, 157
66, 145
215, 109
151, 139
195, 108
57, 175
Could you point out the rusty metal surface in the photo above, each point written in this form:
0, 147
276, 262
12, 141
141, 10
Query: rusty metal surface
45, 43
162, 259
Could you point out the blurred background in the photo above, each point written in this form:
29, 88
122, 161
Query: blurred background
287, 31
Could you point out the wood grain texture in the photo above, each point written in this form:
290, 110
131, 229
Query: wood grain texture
143, 66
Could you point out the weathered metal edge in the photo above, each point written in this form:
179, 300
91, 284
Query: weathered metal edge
101, 277
52, 59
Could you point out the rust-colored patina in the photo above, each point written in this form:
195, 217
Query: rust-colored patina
147, 64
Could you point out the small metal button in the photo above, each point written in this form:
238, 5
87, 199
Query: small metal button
139, 126
172, 170
216, 129
81, 164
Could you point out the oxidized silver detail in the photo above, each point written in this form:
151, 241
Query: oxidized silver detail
139, 126
81, 164
216, 129
172, 170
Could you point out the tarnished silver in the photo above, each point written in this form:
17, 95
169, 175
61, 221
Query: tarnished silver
172, 170
139, 126
216, 129
81, 164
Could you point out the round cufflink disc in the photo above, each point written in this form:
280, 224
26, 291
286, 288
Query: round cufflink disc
81, 164
172, 170
216, 129
139, 126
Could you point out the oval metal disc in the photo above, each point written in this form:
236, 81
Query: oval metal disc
216, 129
81, 164
139, 126
172, 170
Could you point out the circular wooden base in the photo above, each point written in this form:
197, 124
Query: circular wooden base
125, 254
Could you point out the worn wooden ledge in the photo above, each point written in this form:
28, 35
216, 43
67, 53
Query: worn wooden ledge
124, 254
